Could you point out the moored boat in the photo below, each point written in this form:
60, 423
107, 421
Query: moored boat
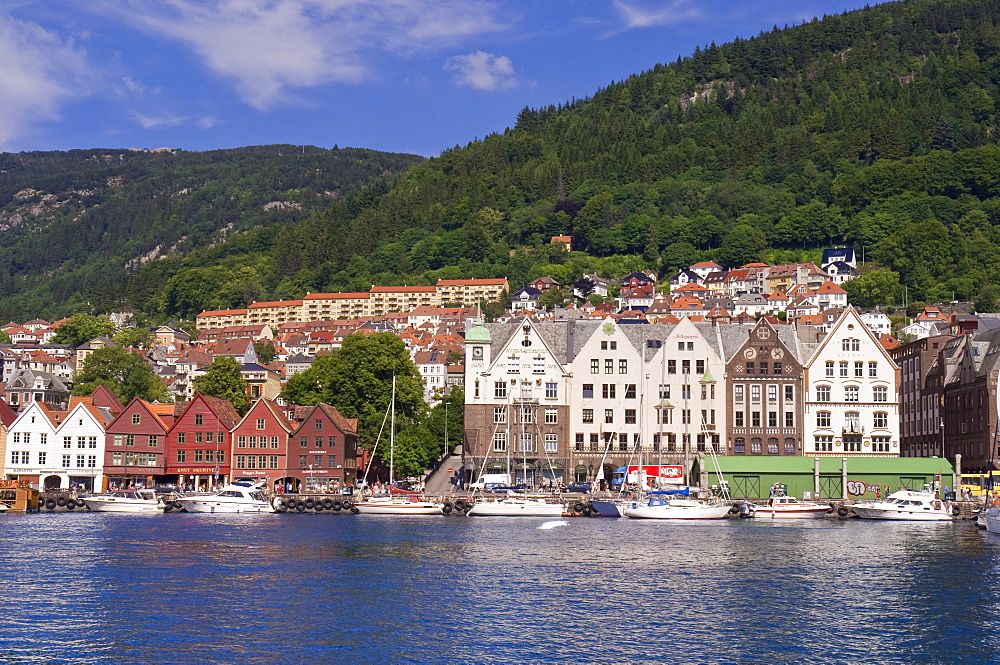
991, 517
398, 505
906, 505
789, 507
517, 506
237, 497
125, 501
664, 506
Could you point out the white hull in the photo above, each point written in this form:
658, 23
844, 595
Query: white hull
992, 519
516, 508
100, 505
872, 513
779, 513
398, 508
636, 510
214, 506
907, 506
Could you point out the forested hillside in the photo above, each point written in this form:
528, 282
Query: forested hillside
877, 127
75, 225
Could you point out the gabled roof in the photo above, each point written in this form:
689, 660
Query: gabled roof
829, 287
269, 407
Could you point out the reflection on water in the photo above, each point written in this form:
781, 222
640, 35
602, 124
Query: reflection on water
292, 588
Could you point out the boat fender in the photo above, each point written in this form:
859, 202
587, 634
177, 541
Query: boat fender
843, 511
279, 505
300, 507
461, 504
50, 504
337, 504
318, 506
168, 506
327, 504
446, 508
349, 506
354, 509
578, 507
178, 505
734, 509
956, 511
291, 503
309, 504
70, 504
585, 512
61, 501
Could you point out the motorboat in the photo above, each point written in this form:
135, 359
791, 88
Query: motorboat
517, 506
607, 508
788, 506
238, 497
125, 501
398, 505
668, 506
907, 505
991, 516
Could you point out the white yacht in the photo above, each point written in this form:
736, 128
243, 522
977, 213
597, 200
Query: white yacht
516, 506
237, 497
991, 516
789, 506
398, 505
907, 505
125, 501
658, 507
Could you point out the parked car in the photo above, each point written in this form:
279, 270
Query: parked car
583, 488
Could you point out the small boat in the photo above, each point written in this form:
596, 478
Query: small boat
3, 507
238, 497
658, 507
125, 501
398, 505
788, 506
607, 508
908, 505
991, 516
517, 506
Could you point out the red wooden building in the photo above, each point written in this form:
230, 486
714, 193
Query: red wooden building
135, 446
322, 450
198, 445
260, 448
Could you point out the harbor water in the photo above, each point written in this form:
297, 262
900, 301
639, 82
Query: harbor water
202, 588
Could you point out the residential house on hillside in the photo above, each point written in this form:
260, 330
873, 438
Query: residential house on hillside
26, 386
705, 268
84, 350
261, 381
525, 299
684, 277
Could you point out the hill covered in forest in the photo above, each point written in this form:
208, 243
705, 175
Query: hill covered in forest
877, 128
77, 226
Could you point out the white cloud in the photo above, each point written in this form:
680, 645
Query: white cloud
40, 73
664, 13
482, 71
271, 48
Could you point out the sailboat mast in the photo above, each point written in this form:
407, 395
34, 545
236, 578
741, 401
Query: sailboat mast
392, 433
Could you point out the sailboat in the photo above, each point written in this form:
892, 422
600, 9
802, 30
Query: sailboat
396, 503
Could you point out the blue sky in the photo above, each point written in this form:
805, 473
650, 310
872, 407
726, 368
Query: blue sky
414, 76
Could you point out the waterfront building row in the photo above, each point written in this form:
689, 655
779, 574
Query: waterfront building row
100, 443
380, 300
566, 399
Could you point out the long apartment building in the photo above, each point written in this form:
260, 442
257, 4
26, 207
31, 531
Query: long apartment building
380, 300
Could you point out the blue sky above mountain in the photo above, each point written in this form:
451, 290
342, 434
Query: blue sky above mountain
400, 75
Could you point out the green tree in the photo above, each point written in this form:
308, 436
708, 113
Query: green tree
448, 414
126, 374
357, 380
4, 337
134, 338
81, 328
874, 287
743, 244
265, 350
551, 299
223, 379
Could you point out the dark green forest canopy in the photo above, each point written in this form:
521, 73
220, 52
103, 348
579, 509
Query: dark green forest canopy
876, 127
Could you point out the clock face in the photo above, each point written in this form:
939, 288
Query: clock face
477, 352
777, 353
750, 353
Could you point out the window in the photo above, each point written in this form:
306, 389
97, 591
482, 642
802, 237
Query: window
738, 419
199, 419
859, 369
772, 419
629, 391
135, 418
500, 442
738, 393
527, 414
873, 369
789, 419
527, 442
789, 446
666, 416
623, 366
671, 367
551, 390
303, 442
500, 389
880, 444
751, 368
499, 414
303, 461
685, 367
274, 443
154, 440
67, 442
777, 369
824, 444
551, 416
822, 419
81, 442
755, 446
740, 446
27, 437
789, 393
772, 446
763, 368
850, 344
680, 346
588, 390
551, 443
829, 368
685, 416
595, 366
851, 393
608, 391
41, 458
772, 393
629, 416
129, 440
609, 366
699, 366
609, 415
843, 367
881, 419
822, 393
664, 391
181, 438
755, 393
578, 441
881, 394
686, 391
332, 441
66, 461
197, 437
260, 423
318, 425
199, 456
588, 415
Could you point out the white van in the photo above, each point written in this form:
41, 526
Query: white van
488, 481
